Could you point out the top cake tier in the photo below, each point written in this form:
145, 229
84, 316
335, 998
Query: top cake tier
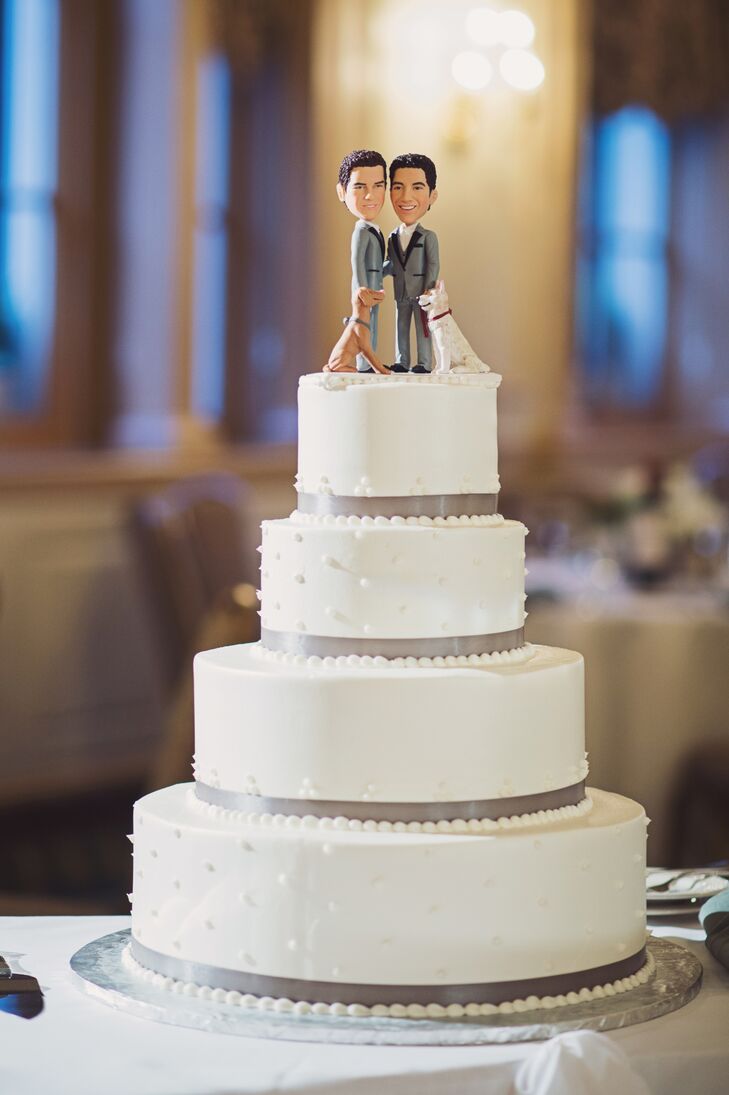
398, 445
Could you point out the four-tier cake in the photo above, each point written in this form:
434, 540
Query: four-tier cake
389, 812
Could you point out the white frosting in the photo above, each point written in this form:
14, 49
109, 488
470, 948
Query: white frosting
284, 1006
362, 729
389, 908
333, 381
486, 520
392, 581
398, 436
517, 656
351, 901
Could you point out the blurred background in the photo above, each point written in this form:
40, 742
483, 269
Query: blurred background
173, 257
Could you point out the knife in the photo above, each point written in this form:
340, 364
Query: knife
20, 993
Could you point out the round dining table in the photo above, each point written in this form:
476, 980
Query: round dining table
656, 677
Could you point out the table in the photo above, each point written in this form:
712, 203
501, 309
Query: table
80, 1047
656, 668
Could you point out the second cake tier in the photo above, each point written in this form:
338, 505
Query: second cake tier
394, 587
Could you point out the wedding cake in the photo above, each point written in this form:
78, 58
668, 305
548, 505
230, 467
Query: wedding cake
389, 813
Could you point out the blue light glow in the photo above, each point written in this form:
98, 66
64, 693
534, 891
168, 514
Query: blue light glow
622, 272
28, 179
211, 244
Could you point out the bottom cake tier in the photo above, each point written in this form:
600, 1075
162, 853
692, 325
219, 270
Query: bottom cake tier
340, 912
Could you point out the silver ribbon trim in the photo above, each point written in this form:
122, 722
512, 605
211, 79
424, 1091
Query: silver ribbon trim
323, 646
330, 992
409, 505
478, 809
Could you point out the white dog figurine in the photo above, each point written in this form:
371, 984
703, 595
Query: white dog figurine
452, 350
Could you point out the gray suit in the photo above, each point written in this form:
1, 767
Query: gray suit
412, 273
368, 253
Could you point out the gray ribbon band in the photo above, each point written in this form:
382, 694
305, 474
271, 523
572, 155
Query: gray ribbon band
323, 646
492, 808
330, 992
408, 505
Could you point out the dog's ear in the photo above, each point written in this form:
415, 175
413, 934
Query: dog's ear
441, 286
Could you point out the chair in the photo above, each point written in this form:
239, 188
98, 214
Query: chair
189, 545
700, 808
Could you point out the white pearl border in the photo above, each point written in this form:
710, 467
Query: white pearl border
459, 826
329, 520
346, 380
284, 1006
518, 656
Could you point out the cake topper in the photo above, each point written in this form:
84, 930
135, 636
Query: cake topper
412, 255
361, 187
452, 349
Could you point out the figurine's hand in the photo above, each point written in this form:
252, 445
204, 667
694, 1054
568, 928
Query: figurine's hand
370, 297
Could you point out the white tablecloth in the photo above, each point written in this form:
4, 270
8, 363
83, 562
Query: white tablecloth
77, 1046
656, 669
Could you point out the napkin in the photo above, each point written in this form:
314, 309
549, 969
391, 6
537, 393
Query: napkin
714, 916
580, 1061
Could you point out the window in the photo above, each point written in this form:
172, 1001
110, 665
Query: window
212, 186
28, 177
622, 291
253, 230
58, 139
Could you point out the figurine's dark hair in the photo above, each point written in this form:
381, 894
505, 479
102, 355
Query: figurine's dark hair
361, 157
415, 159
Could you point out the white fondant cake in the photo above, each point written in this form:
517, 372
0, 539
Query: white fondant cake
389, 811
397, 436
390, 581
368, 734
334, 905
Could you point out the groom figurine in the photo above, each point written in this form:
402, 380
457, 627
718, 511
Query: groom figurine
412, 255
361, 187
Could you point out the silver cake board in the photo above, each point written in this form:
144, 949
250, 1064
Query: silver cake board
100, 973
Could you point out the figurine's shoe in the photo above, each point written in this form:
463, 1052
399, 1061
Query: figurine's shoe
362, 372
400, 369
420, 369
